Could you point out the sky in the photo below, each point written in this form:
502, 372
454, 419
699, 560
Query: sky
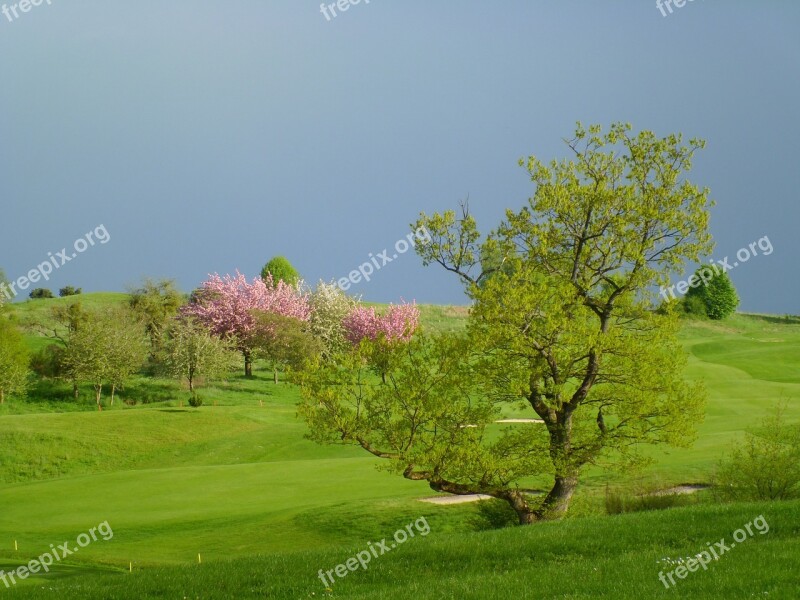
207, 137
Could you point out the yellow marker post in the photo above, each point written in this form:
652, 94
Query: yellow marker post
15, 545
199, 560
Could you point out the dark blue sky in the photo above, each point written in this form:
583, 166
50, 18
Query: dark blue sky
209, 136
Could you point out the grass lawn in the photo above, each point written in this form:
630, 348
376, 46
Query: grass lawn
237, 482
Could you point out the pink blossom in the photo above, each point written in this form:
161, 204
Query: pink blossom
225, 304
400, 323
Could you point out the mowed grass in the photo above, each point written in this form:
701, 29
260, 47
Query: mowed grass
236, 479
618, 558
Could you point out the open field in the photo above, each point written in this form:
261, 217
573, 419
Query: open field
236, 482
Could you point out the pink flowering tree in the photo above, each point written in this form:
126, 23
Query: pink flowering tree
399, 324
227, 307
381, 332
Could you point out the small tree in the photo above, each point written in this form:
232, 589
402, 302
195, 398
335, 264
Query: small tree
329, 308
398, 324
62, 326
284, 341
69, 291
281, 270
156, 302
718, 297
41, 293
107, 348
5, 292
14, 359
384, 332
766, 466
190, 351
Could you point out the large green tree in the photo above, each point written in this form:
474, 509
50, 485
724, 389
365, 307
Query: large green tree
567, 327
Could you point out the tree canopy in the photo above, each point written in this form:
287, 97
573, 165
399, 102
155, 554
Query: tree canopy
563, 322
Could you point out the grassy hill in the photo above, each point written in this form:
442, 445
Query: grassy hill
235, 480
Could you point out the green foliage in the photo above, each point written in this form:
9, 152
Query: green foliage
281, 270
47, 361
716, 299
190, 351
285, 342
155, 303
41, 293
694, 305
107, 347
195, 400
14, 359
69, 291
765, 466
567, 325
493, 514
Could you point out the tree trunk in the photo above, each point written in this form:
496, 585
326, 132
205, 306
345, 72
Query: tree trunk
98, 392
521, 506
559, 427
276, 375
113, 389
556, 503
248, 365
75, 390
2, 396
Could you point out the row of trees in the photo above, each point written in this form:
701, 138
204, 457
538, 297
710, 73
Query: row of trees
44, 293
163, 331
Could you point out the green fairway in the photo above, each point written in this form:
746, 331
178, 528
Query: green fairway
236, 480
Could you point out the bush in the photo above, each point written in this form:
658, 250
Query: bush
766, 466
694, 305
718, 296
69, 291
46, 362
493, 513
40, 293
195, 400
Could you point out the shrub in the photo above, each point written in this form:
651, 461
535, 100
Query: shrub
694, 305
766, 466
46, 362
69, 291
493, 514
195, 400
40, 293
718, 296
